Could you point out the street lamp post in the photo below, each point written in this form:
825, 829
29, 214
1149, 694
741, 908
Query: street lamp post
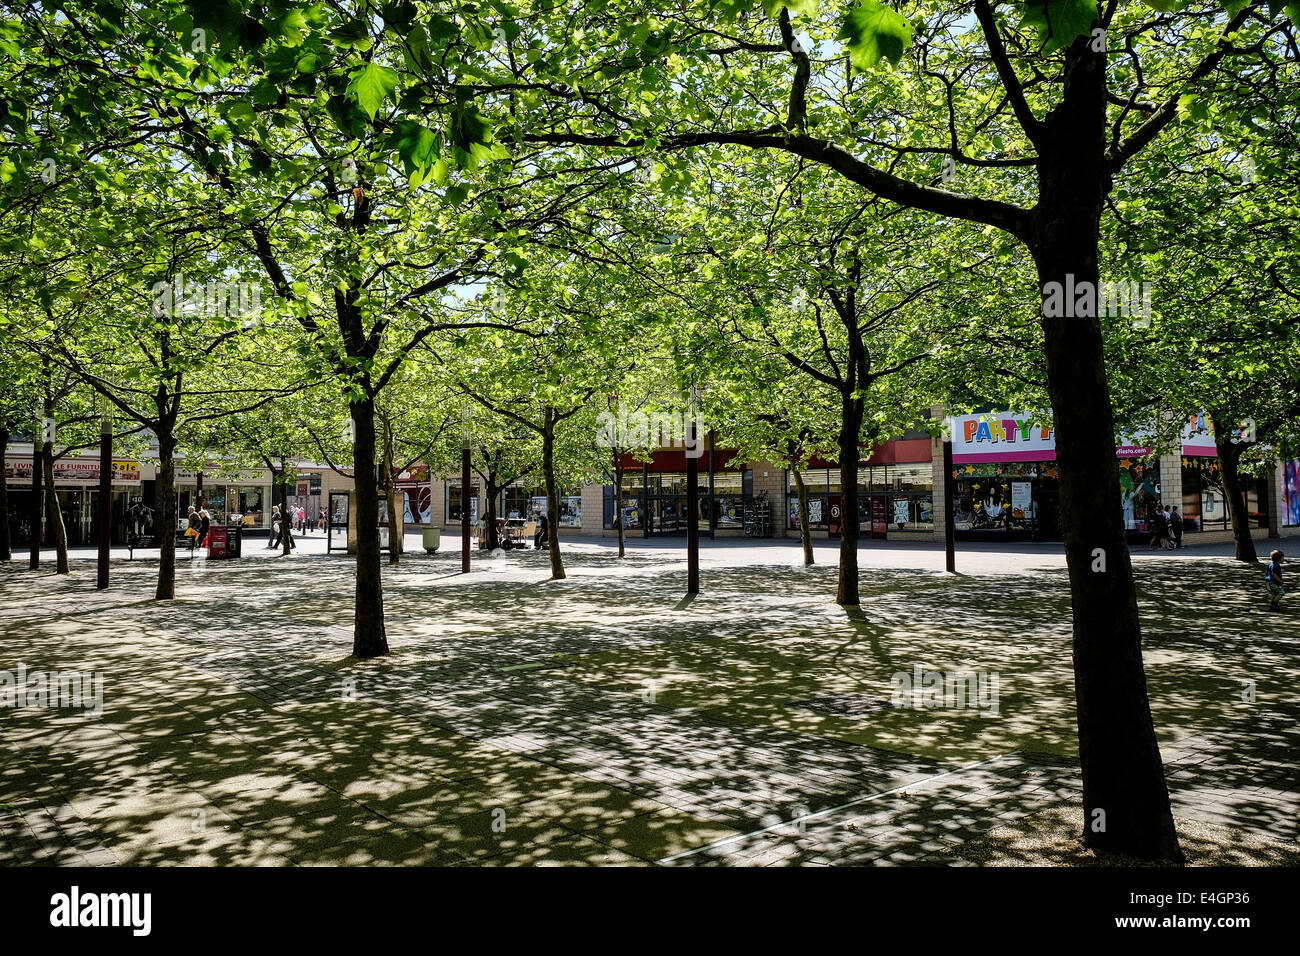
38, 472
105, 517
464, 490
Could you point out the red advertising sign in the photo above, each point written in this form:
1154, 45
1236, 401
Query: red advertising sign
218, 542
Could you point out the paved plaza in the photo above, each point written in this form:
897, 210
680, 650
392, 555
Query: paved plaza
603, 719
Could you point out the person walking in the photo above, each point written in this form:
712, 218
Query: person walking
277, 525
1159, 528
1176, 527
205, 522
1273, 581
542, 537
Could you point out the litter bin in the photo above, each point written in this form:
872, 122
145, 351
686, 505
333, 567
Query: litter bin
432, 538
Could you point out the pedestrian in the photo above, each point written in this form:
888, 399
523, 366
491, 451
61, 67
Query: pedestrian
1159, 528
286, 529
541, 538
320, 521
1176, 526
194, 522
276, 525
1273, 581
205, 522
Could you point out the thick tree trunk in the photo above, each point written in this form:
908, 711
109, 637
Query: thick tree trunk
850, 429
286, 519
805, 532
53, 513
490, 511
6, 541
1125, 800
369, 636
166, 502
1230, 471
552, 496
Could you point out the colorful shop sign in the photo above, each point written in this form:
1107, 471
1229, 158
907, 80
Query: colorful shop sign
1002, 436
73, 471
1021, 436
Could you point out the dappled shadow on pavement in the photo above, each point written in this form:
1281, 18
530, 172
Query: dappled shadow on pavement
603, 720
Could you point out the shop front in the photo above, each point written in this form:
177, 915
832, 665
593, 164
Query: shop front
654, 498
76, 486
244, 498
895, 492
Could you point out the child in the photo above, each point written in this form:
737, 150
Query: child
1273, 579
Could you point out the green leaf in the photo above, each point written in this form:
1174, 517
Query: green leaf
806, 7
1293, 11
294, 28
873, 31
372, 84
1059, 22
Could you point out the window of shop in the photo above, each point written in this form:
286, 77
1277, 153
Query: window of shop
570, 509
658, 503
729, 502
911, 496
1139, 482
514, 503
454, 499
1205, 504
912, 484
1291, 494
1004, 497
631, 501
250, 503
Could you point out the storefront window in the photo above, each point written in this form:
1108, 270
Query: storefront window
454, 500
1291, 494
250, 504
729, 502
1003, 497
515, 503
570, 509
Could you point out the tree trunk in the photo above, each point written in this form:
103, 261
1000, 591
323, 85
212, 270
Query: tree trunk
490, 511
552, 495
396, 516
1229, 470
286, 519
850, 429
6, 542
1125, 800
166, 503
805, 532
53, 513
369, 636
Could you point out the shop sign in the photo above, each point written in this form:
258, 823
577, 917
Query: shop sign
73, 471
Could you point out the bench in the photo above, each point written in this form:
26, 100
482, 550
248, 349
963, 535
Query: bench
134, 541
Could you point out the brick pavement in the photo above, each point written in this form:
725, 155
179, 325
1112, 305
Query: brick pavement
521, 721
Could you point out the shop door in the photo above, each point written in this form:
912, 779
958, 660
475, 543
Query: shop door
836, 517
879, 517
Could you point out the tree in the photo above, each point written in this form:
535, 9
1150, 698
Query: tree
1047, 152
